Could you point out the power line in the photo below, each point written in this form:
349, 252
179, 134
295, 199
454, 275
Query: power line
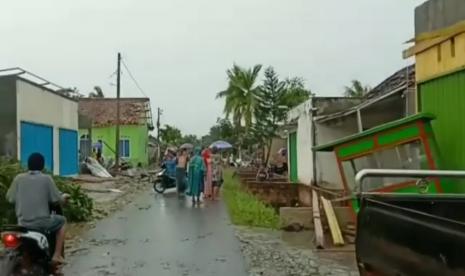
133, 79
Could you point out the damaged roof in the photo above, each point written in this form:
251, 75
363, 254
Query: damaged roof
102, 111
405, 77
398, 82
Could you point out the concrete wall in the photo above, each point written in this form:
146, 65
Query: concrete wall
438, 14
327, 170
38, 105
8, 117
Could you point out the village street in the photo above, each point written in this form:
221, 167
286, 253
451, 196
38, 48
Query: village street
160, 235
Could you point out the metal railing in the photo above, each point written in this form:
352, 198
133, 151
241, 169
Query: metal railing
421, 174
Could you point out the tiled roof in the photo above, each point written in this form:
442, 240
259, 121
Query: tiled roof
102, 111
400, 78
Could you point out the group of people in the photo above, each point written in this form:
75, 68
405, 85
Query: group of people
197, 173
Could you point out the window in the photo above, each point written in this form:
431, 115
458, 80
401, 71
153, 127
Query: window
124, 148
405, 156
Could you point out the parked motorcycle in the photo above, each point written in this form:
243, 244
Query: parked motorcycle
27, 251
163, 181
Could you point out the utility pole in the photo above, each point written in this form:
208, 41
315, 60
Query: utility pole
118, 92
159, 112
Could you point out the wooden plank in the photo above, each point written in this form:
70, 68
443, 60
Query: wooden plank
332, 222
317, 221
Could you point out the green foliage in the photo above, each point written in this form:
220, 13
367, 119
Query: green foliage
356, 89
222, 130
78, 208
240, 94
257, 110
296, 93
275, 99
170, 135
246, 209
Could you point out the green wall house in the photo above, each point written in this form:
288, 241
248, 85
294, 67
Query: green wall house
135, 124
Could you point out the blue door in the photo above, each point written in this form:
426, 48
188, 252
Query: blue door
37, 138
68, 152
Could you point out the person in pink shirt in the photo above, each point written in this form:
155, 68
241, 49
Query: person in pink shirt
208, 188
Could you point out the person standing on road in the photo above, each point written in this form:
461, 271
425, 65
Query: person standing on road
181, 168
208, 187
217, 173
196, 175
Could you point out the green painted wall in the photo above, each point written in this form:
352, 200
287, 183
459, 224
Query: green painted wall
294, 177
138, 141
445, 98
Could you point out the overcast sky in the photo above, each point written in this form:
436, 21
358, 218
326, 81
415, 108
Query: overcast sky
179, 50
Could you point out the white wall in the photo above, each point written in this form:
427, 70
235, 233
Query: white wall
326, 165
37, 105
302, 114
328, 174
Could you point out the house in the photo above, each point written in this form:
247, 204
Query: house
321, 120
135, 124
301, 138
438, 49
38, 116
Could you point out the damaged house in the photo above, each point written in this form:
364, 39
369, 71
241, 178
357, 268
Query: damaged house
98, 125
321, 120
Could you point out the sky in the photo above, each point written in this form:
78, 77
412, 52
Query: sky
179, 50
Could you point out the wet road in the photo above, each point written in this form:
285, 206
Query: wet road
161, 235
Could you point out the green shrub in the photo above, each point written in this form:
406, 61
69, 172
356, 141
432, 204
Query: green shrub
246, 209
78, 208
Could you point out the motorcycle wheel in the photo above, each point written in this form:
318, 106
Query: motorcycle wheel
159, 187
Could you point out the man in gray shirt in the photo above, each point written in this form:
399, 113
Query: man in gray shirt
32, 193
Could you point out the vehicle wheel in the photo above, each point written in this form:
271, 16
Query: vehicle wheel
159, 187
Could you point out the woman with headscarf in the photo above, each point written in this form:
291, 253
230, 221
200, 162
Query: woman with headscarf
208, 186
196, 174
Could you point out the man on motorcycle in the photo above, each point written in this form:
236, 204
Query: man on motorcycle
32, 193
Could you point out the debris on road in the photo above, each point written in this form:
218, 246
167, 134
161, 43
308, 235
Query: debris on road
266, 254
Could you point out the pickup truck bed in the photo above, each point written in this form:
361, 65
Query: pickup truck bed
399, 234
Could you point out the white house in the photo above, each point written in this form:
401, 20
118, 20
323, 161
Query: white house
38, 116
321, 120
303, 135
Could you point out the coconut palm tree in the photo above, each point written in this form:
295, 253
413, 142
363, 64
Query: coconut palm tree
356, 89
240, 96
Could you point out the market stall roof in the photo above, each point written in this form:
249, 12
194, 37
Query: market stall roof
330, 146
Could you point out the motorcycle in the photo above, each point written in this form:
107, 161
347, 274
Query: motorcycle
27, 251
163, 181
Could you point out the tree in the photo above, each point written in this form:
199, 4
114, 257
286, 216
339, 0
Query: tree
190, 139
170, 135
356, 89
240, 95
273, 104
296, 93
97, 93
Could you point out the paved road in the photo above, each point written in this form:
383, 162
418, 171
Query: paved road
161, 235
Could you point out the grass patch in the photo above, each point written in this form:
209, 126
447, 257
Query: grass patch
244, 208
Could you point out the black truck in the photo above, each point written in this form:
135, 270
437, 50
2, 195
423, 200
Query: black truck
410, 234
